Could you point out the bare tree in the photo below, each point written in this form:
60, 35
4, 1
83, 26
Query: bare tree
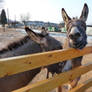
25, 17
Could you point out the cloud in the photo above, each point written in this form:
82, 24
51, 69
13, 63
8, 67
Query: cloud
1, 1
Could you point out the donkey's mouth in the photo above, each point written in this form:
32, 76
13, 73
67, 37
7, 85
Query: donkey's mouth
79, 45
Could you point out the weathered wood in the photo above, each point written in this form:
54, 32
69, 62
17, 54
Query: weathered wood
82, 87
49, 84
10, 66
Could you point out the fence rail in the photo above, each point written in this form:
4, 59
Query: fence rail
82, 87
28, 62
49, 84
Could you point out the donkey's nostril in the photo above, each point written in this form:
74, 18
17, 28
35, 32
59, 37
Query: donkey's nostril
77, 35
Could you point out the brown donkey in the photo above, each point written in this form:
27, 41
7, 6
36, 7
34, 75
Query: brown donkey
76, 38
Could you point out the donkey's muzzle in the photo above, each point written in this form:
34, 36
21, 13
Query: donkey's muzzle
77, 41
80, 45
74, 36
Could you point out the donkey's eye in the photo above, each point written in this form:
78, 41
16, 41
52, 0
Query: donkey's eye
71, 36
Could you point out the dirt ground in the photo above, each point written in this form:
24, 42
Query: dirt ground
11, 35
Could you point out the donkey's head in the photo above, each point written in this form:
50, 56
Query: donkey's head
76, 28
38, 38
45, 41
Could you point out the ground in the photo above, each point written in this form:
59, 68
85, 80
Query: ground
11, 35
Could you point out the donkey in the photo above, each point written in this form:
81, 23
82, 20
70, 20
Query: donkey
32, 43
76, 38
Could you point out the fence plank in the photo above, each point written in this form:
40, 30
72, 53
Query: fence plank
15, 65
49, 84
82, 87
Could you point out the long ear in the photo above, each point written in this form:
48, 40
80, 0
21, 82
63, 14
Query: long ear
35, 37
66, 18
84, 13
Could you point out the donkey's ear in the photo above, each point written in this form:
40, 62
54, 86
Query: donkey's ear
84, 13
66, 18
33, 36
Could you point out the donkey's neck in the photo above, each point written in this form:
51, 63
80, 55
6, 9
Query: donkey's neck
66, 44
15, 45
21, 47
27, 46
73, 62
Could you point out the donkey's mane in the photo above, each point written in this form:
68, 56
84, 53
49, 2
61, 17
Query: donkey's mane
15, 45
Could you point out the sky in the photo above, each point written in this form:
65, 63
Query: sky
46, 10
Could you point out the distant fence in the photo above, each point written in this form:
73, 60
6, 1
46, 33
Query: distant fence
29, 62
89, 25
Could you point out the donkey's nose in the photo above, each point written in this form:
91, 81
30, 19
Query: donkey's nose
74, 36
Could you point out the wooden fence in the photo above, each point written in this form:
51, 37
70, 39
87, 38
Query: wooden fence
10, 66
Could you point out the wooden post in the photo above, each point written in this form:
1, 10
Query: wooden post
59, 89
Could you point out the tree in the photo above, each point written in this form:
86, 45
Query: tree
3, 18
24, 18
